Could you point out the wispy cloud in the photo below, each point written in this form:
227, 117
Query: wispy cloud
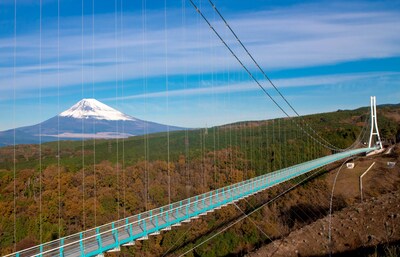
286, 39
279, 39
327, 80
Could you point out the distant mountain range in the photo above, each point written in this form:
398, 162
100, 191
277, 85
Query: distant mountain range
88, 118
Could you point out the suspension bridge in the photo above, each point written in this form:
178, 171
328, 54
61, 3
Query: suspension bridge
125, 232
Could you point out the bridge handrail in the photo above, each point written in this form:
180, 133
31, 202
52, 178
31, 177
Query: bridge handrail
82, 236
141, 215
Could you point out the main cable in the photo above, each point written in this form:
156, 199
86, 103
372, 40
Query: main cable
237, 58
263, 72
252, 76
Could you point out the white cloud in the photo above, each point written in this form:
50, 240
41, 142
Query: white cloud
279, 39
325, 80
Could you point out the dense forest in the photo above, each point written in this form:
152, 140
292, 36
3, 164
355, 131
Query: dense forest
60, 188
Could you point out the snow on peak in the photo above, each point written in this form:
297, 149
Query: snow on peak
93, 109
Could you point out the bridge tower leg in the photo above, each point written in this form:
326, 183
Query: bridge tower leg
374, 125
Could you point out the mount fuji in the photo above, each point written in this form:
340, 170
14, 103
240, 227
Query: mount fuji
87, 119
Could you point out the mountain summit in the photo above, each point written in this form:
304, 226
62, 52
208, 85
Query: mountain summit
93, 109
88, 118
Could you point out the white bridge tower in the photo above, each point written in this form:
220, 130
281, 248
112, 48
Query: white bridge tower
374, 125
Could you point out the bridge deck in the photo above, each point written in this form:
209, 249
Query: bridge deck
138, 227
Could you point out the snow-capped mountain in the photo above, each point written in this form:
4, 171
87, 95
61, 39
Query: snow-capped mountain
93, 109
86, 119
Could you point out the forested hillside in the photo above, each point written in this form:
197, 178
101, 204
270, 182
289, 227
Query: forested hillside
68, 186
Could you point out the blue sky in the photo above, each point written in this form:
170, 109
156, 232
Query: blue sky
323, 55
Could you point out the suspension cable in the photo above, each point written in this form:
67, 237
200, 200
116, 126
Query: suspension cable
252, 76
167, 100
14, 132
263, 72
